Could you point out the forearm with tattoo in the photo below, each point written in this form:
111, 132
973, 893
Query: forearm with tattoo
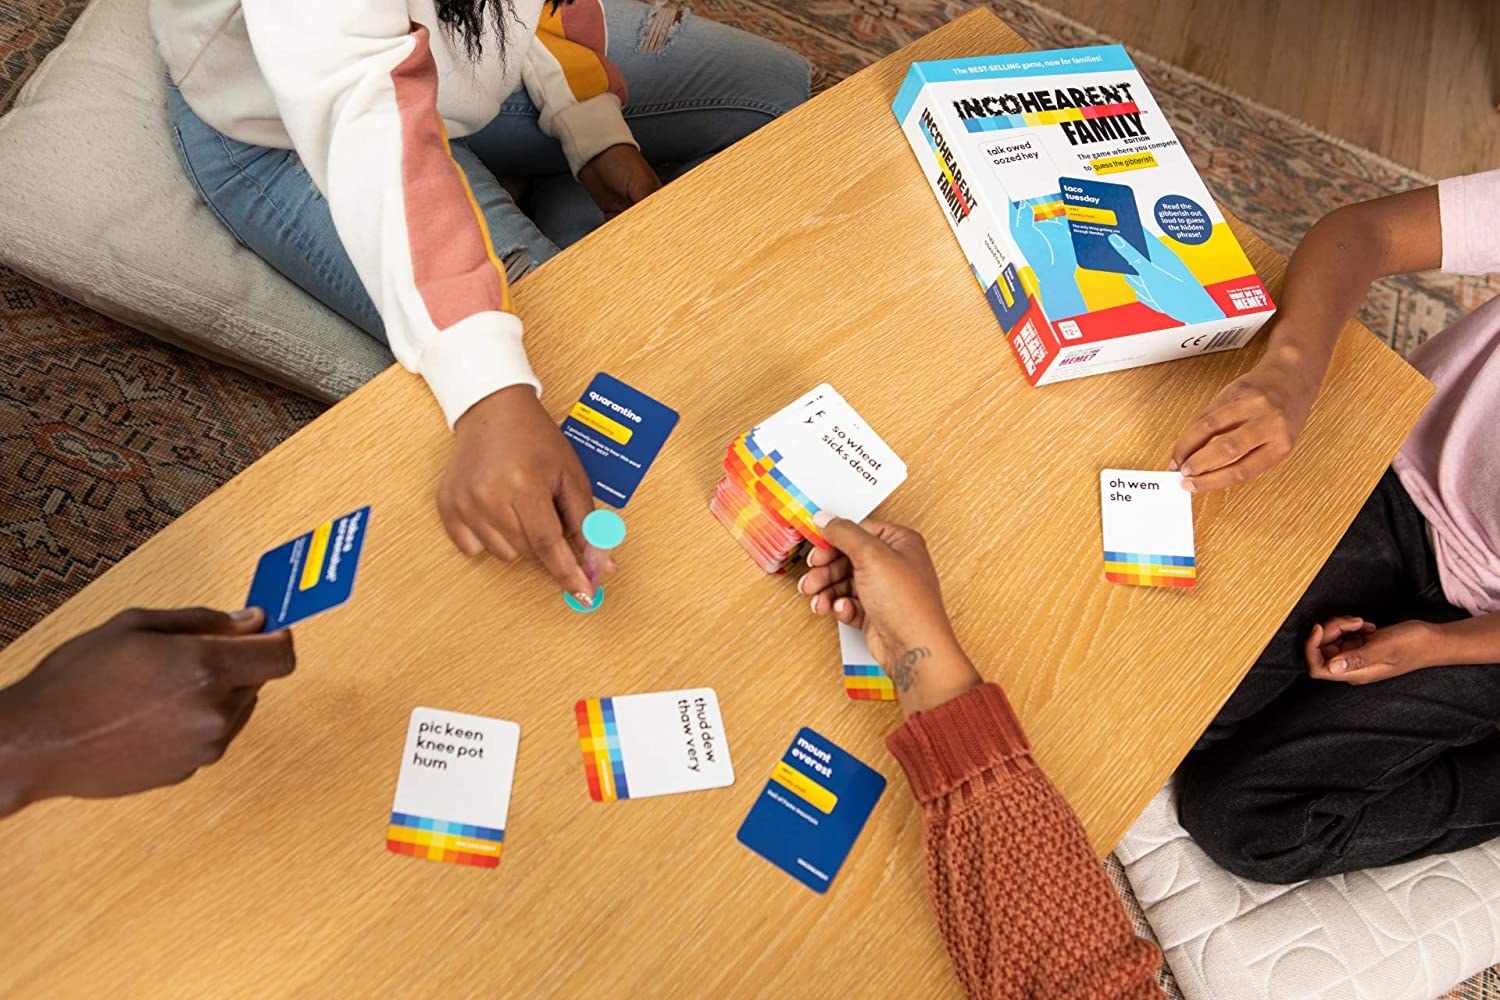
904, 670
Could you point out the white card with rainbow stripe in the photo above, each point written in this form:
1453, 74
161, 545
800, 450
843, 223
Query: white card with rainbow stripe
453, 793
864, 680
639, 745
1148, 529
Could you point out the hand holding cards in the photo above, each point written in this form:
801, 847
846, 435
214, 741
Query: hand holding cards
814, 455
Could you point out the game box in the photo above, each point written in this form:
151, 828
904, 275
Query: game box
1093, 237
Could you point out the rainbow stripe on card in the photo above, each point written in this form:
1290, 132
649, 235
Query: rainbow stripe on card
443, 840
1048, 208
786, 499
762, 508
599, 740
867, 682
1147, 570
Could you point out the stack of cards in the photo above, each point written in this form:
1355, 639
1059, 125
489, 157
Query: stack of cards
814, 455
1148, 529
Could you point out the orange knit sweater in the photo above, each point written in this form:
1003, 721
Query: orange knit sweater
1024, 907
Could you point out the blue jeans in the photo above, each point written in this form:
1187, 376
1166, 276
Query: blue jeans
708, 87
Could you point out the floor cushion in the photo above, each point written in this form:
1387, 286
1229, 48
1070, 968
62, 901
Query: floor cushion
1404, 932
95, 204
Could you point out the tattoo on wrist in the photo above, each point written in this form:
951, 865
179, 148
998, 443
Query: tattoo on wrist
904, 670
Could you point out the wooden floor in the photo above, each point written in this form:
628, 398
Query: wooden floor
1415, 80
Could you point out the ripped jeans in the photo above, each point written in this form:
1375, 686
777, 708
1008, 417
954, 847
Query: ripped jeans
693, 92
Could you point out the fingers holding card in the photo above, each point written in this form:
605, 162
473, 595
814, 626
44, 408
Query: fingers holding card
311, 573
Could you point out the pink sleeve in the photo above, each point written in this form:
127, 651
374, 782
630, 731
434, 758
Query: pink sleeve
1470, 209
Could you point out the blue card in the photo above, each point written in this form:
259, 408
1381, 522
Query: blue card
811, 811
1008, 298
309, 574
617, 433
1096, 211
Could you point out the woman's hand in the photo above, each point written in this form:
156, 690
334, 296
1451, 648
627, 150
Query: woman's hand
1354, 651
618, 178
1252, 424
880, 578
515, 488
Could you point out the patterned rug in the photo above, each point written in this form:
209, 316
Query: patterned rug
106, 436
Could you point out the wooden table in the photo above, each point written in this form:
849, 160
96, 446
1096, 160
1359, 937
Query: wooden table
812, 251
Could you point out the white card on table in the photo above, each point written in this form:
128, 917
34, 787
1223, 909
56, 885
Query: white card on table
453, 793
1148, 528
638, 745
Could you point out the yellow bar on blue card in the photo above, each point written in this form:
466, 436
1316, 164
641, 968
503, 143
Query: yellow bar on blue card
608, 426
803, 787
317, 549
1100, 216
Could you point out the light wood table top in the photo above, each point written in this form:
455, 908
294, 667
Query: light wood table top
812, 251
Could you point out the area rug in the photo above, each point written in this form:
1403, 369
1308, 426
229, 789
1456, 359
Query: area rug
106, 436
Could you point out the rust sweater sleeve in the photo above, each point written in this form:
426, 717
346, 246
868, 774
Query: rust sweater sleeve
1024, 907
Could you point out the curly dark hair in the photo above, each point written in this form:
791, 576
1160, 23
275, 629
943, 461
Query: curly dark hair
466, 19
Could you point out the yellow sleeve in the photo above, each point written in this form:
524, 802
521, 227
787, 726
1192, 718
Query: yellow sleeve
580, 93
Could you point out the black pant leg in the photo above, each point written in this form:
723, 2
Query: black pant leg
1340, 777
1374, 568
1330, 777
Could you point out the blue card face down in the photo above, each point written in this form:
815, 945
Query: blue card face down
1096, 211
811, 811
311, 573
617, 433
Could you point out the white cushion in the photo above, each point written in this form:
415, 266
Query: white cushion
1398, 933
94, 203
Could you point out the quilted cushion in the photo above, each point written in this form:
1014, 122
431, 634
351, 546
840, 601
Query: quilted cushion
1398, 933
96, 206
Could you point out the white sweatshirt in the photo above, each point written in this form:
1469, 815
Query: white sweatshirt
367, 92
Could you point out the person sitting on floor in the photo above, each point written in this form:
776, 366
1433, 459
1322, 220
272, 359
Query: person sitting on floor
356, 147
1365, 734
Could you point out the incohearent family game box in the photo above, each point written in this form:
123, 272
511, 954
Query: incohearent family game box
1084, 222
